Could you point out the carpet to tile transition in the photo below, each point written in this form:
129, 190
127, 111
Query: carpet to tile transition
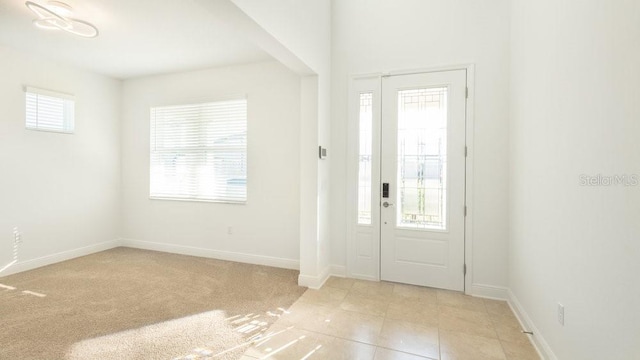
135, 304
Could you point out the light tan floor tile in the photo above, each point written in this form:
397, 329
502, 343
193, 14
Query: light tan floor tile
508, 329
366, 304
459, 346
497, 307
355, 319
372, 288
519, 351
340, 323
285, 344
414, 310
506, 319
306, 316
354, 326
340, 283
386, 354
460, 300
511, 334
298, 344
409, 337
465, 321
340, 349
424, 294
327, 296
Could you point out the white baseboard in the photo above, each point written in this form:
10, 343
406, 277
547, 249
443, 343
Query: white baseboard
338, 270
539, 343
213, 254
314, 282
489, 292
363, 277
26, 265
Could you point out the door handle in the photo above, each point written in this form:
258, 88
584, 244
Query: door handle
387, 204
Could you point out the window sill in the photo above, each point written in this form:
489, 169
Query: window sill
69, 132
231, 202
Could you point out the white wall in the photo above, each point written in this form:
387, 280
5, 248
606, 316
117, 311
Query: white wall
574, 111
304, 27
377, 35
62, 191
268, 225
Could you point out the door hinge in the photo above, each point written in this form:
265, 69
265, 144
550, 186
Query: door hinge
466, 92
464, 269
466, 151
465, 210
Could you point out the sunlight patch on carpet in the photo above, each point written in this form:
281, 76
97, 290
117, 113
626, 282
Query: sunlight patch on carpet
7, 287
28, 292
171, 338
197, 336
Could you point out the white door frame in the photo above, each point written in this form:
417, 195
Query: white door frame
352, 171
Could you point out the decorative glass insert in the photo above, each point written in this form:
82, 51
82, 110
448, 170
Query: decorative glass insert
364, 158
422, 158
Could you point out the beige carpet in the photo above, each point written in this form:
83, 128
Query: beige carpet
136, 304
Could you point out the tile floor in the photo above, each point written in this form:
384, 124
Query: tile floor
354, 319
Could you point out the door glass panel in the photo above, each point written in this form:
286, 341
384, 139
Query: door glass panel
422, 159
365, 153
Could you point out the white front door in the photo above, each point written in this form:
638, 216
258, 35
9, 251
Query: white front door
423, 179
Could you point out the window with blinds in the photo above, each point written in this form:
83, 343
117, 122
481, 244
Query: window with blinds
49, 111
199, 151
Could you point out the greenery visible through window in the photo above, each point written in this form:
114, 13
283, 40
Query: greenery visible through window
199, 151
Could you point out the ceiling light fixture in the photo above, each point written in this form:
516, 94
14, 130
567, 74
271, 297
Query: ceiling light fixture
56, 17
60, 8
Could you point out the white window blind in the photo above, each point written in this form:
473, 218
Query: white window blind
199, 151
49, 111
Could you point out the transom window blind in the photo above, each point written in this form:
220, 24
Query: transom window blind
49, 111
199, 151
